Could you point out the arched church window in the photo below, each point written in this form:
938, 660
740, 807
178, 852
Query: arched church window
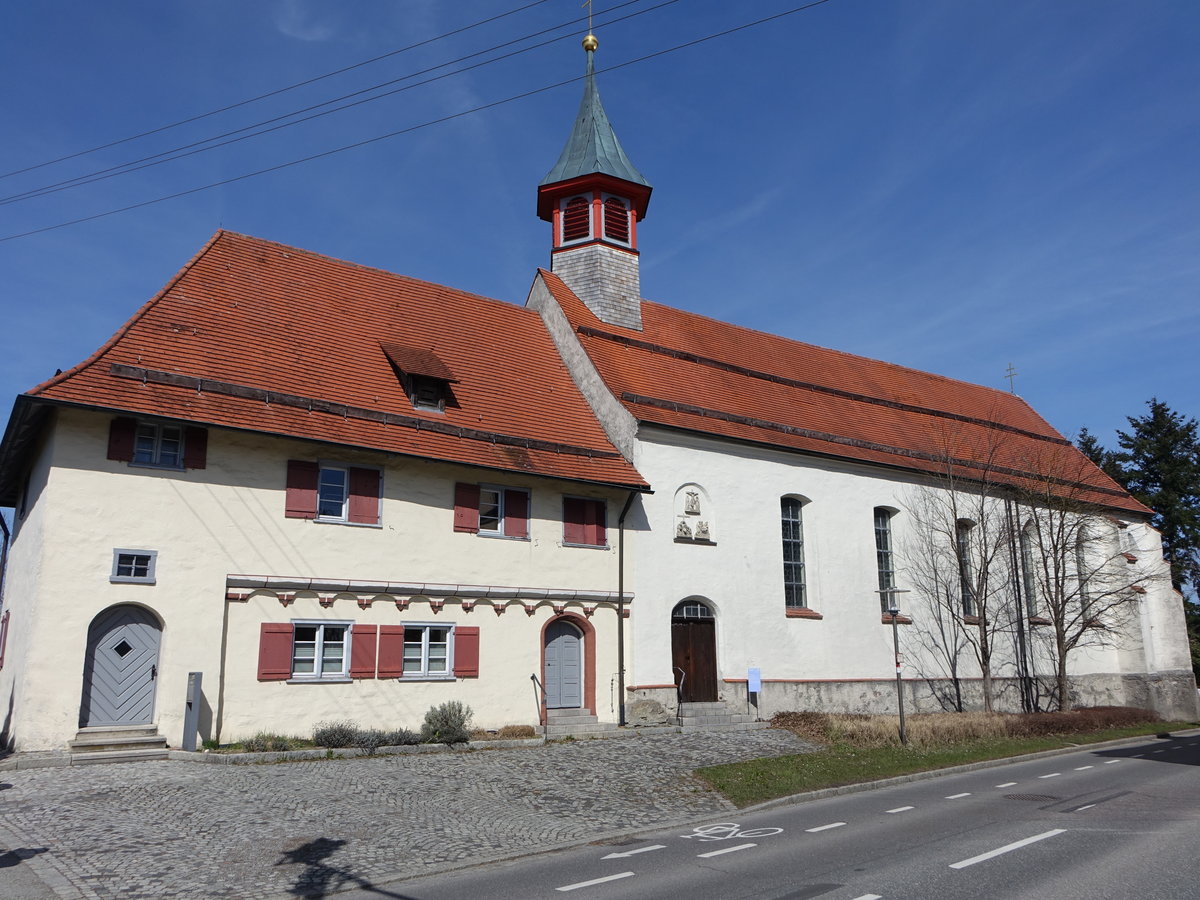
576, 219
616, 220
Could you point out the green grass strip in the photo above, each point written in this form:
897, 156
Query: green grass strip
758, 780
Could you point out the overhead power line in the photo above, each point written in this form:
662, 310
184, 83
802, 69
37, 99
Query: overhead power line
217, 141
276, 92
427, 124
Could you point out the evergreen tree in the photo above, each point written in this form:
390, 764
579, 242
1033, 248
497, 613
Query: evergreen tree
1159, 462
1105, 459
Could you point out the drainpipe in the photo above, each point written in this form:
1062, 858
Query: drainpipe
4, 557
621, 608
219, 713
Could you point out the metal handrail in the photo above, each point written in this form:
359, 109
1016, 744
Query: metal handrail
539, 696
679, 693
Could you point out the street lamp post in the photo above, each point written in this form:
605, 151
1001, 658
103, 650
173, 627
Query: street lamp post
893, 608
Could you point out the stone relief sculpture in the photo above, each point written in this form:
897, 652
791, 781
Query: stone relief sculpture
682, 530
691, 505
702, 531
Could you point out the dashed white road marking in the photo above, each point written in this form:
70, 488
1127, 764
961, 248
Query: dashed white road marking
583, 884
900, 809
1081, 768
870, 897
1138, 755
825, 827
1007, 848
629, 853
1159, 751
1051, 775
959, 796
1006, 784
1082, 808
1111, 761
725, 850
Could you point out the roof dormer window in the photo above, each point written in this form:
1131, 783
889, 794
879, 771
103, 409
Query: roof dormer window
425, 378
576, 219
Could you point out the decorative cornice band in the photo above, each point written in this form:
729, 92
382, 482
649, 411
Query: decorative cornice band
292, 584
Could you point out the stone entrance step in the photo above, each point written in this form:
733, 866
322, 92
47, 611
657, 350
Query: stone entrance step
716, 717
117, 743
574, 723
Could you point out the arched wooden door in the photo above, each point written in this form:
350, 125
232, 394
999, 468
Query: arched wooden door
694, 651
121, 668
564, 666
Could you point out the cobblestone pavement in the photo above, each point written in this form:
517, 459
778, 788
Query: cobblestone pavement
177, 829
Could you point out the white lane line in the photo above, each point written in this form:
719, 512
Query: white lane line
1082, 808
628, 853
1138, 755
899, 809
1081, 768
1111, 761
825, 827
725, 850
959, 796
583, 884
1158, 751
1007, 848
1006, 784
1051, 775
870, 897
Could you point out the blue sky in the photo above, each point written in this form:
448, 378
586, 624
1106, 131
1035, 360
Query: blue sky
948, 184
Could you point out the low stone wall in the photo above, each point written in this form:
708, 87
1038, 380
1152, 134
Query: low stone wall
1172, 695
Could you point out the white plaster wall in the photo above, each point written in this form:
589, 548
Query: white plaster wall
229, 519
742, 576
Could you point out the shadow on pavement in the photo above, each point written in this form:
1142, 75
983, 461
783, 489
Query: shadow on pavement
319, 878
1174, 752
16, 857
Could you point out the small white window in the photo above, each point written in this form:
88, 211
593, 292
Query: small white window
133, 566
158, 445
427, 651
333, 489
320, 650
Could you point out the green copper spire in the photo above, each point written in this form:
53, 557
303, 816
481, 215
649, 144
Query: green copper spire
593, 146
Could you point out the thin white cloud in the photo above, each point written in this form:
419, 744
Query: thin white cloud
297, 19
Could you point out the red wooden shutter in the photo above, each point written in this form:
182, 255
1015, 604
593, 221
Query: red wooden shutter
466, 507
362, 651
616, 220
466, 651
576, 219
391, 651
121, 433
195, 447
573, 527
595, 522
275, 651
516, 513
364, 495
301, 489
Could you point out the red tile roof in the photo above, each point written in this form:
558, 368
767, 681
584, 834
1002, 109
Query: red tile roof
691, 372
256, 335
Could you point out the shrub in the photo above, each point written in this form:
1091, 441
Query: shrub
264, 742
371, 739
447, 724
516, 732
402, 737
335, 734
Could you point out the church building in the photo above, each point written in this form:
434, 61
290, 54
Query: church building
315, 484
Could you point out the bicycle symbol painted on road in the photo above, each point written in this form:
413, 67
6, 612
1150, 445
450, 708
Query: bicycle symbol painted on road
724, 831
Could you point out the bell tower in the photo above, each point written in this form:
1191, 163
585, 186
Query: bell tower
594, 199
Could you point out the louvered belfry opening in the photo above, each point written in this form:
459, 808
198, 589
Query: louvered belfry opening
616, 220
575, 216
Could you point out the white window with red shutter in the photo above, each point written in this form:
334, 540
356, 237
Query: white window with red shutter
329, 492
157, 445
491, 510
310, 650
584, 522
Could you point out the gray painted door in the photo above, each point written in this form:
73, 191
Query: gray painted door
121, 667
564, 667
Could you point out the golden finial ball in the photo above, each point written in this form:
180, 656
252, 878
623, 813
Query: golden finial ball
590, 43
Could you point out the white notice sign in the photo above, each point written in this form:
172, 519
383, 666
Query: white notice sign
754, 681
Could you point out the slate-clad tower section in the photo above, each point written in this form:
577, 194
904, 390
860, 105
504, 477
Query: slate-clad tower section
594, 198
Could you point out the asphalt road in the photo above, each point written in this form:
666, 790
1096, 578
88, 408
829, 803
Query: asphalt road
1105, 824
